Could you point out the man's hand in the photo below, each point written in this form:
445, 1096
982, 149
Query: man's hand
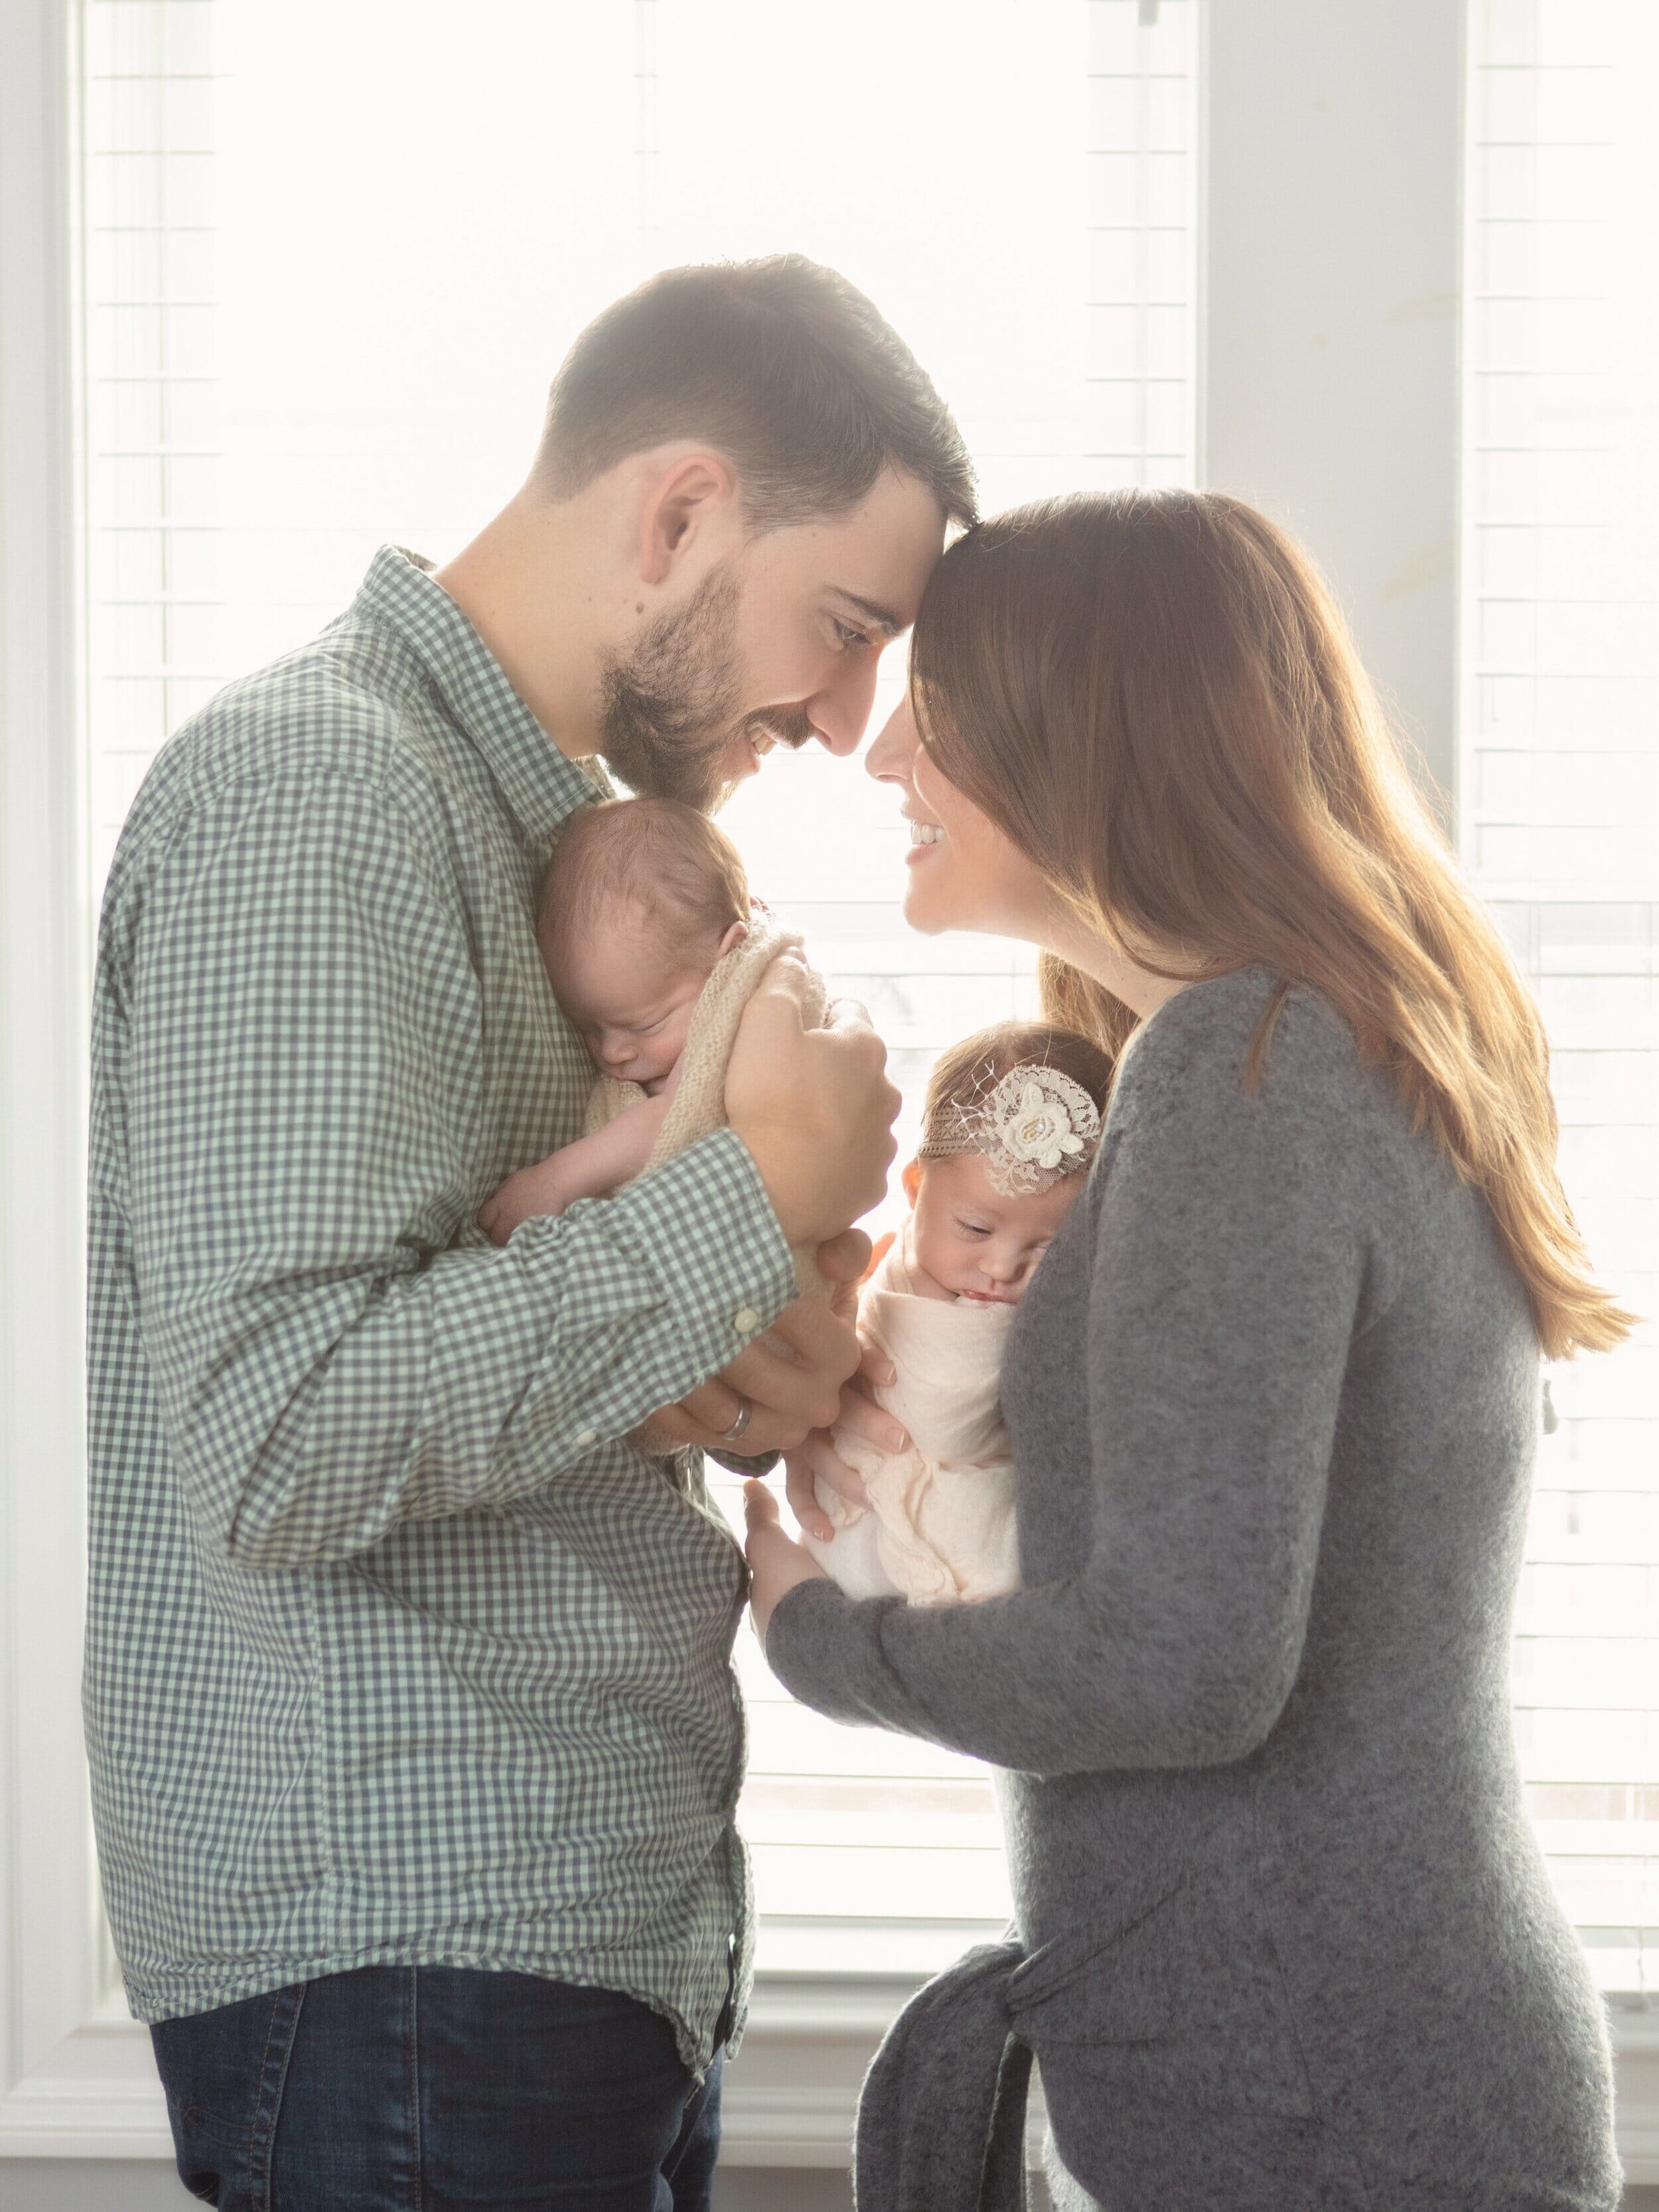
815, 1460
776, 1564
789, 1394
813, 1107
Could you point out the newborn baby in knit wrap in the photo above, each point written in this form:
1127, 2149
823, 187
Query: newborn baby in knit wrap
642, 900
1011, 1124
654, 948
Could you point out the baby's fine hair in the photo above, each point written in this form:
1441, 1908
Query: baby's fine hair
965, 1073
658, 854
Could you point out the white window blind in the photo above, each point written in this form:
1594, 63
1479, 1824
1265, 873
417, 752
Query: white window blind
1559, 807
324, 303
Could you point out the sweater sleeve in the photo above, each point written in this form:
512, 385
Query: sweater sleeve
1230, 1257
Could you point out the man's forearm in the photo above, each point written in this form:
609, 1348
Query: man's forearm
473, 1380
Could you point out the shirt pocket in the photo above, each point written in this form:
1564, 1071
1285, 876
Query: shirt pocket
1175, 1992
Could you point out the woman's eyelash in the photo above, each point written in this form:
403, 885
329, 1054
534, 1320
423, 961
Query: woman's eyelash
847, 635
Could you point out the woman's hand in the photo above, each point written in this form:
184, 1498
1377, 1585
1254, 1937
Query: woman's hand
776, 1562
818, 1461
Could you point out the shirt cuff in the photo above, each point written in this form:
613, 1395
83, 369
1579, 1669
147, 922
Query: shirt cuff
715, 1246
735, 1464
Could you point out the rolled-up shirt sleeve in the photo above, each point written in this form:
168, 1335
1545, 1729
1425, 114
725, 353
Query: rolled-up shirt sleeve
303, 1031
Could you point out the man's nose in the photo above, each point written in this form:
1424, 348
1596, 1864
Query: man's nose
840, 713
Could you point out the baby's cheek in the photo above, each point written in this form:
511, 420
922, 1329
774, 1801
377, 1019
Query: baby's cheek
936, 1255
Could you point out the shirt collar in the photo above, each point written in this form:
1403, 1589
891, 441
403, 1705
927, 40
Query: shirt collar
542, 786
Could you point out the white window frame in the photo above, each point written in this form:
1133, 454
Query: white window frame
1330, 140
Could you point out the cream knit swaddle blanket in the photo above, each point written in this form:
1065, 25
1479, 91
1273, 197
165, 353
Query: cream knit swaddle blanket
698, 1105
940, 1524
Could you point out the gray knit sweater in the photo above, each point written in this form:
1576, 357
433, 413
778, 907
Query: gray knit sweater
1287, 1938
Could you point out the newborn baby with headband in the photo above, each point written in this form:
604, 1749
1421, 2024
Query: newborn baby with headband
1011, 1128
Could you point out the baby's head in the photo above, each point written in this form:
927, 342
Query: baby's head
1010, 1126
640, 898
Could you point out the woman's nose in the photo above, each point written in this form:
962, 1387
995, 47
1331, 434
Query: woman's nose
889, 757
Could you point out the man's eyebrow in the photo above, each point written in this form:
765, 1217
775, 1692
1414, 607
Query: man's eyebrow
883, 618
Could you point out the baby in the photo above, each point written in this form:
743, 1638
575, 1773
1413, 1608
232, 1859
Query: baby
1011, 1124
640, 900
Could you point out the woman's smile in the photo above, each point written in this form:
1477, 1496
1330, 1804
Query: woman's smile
924, 835
965, 871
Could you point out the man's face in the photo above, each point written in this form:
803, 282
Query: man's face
777, 644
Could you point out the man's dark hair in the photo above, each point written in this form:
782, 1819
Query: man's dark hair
782, 366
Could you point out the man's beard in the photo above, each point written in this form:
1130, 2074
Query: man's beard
668, 713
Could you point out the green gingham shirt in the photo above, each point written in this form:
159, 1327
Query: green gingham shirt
397, 1652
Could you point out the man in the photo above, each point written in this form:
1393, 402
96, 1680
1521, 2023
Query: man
414, 1739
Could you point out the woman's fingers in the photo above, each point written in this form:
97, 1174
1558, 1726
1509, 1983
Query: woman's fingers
875, 1371
824, 1464
776, 1563
800, 1488
760, 1508
860, 1416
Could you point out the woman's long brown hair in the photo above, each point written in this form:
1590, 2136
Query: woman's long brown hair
1155, 696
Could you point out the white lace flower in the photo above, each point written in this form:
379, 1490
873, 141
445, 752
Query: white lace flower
1035, 1126
1039, 1129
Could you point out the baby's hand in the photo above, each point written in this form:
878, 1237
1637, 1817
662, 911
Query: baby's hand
537, 1190
589, 1168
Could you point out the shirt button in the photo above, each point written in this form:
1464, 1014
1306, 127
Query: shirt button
743, 1322
588, 1436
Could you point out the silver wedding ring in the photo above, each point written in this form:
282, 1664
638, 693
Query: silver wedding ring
745, 1414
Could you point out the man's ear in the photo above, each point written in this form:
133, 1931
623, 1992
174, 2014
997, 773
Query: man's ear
911, 1180
692, 497
735, 935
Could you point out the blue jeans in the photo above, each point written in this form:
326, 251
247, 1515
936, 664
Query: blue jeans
420, 2088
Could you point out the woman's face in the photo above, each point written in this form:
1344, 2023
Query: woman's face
964, 872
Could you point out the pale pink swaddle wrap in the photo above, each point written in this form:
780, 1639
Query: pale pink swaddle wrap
940, 1526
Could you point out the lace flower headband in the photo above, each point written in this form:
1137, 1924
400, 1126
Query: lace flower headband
1033, 1127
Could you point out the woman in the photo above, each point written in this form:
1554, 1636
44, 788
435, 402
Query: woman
1288, 1941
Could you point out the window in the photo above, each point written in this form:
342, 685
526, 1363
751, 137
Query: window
292, 360
273, 386
1559, 813
271, 389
